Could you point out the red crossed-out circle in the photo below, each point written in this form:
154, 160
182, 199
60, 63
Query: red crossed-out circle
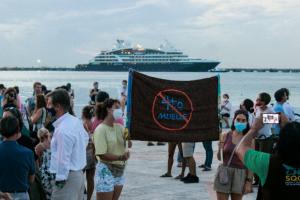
161, 95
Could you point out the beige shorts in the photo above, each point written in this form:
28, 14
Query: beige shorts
188, 149
237, 180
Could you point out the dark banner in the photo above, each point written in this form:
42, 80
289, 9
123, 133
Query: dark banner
165, 110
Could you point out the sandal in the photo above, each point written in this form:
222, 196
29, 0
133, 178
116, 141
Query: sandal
166, 175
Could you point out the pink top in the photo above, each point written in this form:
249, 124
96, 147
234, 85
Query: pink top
228, 148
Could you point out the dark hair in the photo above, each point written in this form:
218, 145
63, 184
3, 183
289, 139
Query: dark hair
68, 85
101, 108
11, 92
60, 97
226, 95
2, 86
101, 96
288, 144
265, 97
17, 114
36, 84
248, 103
279, 94
286, 91
17, 89
9, 126
44, 88
245, 113
62, 87
88, 112
124, 81
40, 101
10, 96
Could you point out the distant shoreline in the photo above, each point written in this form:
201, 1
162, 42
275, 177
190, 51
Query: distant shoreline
224, 70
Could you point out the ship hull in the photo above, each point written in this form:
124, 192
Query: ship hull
168, 67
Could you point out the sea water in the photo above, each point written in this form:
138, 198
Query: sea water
239, 85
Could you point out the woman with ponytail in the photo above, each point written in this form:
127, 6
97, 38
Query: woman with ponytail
111, 152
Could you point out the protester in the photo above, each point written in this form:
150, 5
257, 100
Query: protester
93, 92
31, 101
123, 90
19, 100
239, 179
111, 152
100, 98
70, 90
279, 173
171, 151
226, 109
208, 156
17, 162
10, 98
280, 97
44, 153
68, 149
288, 110
38, 117
24, 139
87, 115
264, 141
248, 106
123, 95
188, 151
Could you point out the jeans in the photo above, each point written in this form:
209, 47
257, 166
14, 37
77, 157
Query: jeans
20, 196
208, 152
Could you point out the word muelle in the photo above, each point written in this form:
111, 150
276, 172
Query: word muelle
171, 105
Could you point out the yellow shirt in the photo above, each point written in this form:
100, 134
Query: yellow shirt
111, 140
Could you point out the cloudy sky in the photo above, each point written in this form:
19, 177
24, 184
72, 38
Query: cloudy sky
239, 33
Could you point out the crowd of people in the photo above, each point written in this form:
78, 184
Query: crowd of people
45, 150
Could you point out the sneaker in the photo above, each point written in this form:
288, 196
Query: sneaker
201, 166
160, 144
186, 177
150, 144
192, 179
206, 169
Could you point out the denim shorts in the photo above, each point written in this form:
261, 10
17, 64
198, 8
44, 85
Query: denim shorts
105, 181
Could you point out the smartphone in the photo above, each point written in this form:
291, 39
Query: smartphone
271, 118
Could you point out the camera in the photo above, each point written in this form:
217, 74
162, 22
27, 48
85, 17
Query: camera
271, 118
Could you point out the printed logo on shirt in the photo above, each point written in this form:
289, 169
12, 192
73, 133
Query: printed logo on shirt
292, 176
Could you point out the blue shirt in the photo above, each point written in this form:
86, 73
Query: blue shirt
277, 108
17, 163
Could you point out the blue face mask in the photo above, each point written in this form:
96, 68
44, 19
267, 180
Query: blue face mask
240, 127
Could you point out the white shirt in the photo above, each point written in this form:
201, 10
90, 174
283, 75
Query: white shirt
226, 107
251, 118
68, 146
123, 91
266, 129
288, 111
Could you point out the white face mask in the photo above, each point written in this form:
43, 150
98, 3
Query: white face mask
117, 114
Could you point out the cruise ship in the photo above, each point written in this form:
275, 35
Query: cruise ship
124, 56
